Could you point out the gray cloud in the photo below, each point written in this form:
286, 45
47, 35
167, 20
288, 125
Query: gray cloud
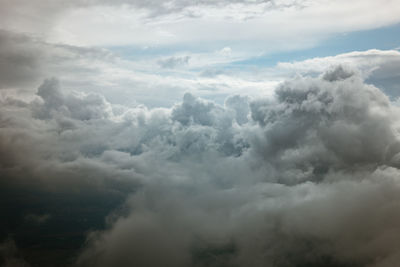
378, 67
10, 255
25, 61
84, 107
308, 178
173, 62
325, 144
386, 78
19, 63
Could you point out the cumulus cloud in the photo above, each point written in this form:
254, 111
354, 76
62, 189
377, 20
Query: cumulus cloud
375, 66
327, 149
306, 178
83, 107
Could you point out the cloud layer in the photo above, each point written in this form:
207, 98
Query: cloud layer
166, 140
264, 26
309, 177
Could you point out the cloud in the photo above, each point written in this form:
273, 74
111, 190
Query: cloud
244, 24
210, 23
28, 61
326, 148
376, 66
226, 51
40, 18
305, 176
19, 63
80, 107
10, 256
21, 10
366, 61
308, 177
173, 62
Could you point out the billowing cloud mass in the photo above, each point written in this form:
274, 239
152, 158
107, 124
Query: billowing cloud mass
309, 177
208, 133
376, 66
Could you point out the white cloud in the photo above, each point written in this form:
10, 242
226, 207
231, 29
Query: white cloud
264, 26
226, 51
266, 30
367, 61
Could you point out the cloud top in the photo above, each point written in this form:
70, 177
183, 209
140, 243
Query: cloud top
307, 178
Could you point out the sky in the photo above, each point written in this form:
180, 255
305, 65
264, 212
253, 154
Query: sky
208, 133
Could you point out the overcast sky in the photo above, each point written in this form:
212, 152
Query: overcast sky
240, 133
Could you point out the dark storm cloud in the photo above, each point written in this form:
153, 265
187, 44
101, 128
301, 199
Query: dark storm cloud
308, 178
25, 61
